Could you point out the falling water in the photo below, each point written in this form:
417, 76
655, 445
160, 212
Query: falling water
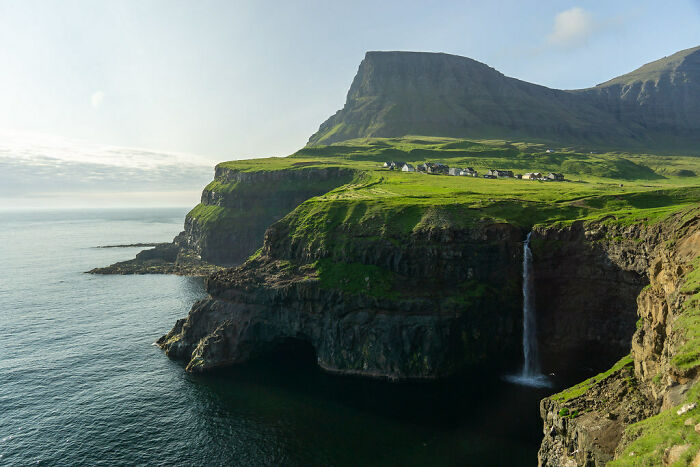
532, 364
530, 375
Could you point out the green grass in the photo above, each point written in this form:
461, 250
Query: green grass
356, 278
580, 389
622, 187
654, 435
688, 323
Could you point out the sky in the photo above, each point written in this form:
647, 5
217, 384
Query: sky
222, 80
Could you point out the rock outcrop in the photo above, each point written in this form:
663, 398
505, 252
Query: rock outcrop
414, 93
429, 303
588, 424
229, 223
453, 303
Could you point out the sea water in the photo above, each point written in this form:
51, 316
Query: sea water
81, 382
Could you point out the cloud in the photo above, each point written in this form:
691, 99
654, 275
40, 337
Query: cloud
571, 28
36, 168
97, 98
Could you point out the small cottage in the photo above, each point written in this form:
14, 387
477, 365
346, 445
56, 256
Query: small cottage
436, 168
557, 177
497, 173
532, 176
454, 171
408, 168
468, 172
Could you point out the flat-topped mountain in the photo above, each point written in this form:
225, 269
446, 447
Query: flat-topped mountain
402, 93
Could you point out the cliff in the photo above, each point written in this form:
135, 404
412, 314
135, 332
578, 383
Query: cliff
400, 275
634, 413
371, 299
229, 223
414, 93
380, 289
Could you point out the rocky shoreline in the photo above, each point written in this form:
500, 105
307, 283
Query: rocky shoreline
165, 258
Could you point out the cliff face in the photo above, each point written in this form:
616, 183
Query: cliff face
229, 223
237, 207
429, 304
607, 417
587, 277
411, 93
419, 303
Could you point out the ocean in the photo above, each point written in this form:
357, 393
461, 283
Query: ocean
81, 382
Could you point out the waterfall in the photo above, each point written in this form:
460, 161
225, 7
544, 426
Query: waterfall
531, 366
530, 375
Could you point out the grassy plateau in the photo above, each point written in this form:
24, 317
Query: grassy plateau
629, 186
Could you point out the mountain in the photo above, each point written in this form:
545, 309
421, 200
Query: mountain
436, 94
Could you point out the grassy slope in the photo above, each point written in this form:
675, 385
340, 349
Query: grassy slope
597, 184
653, 71
391, 204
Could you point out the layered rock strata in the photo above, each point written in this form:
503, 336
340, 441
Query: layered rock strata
588, 424
451, 305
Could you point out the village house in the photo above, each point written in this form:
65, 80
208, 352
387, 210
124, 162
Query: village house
497, 173
394, 165
468, 172
557, 177
436, 168
532, 176
408, 168
454, 171
422, 167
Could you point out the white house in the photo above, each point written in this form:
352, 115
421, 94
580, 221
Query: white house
408, 168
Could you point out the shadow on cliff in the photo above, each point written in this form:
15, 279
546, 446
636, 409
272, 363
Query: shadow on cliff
587, 283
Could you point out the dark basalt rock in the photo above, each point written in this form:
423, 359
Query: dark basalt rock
426, 332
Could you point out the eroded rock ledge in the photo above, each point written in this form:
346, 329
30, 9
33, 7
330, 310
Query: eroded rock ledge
606, 418
454, 300
450, 305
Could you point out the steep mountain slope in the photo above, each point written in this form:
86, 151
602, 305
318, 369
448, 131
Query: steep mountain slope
662, 96
402, 93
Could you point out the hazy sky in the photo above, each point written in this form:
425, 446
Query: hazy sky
234, 79
228, 79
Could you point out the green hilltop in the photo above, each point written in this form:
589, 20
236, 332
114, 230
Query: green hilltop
626, 184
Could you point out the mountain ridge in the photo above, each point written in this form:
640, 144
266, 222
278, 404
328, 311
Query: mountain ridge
398, 93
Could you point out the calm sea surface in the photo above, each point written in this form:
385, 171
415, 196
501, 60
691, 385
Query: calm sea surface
82, 384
